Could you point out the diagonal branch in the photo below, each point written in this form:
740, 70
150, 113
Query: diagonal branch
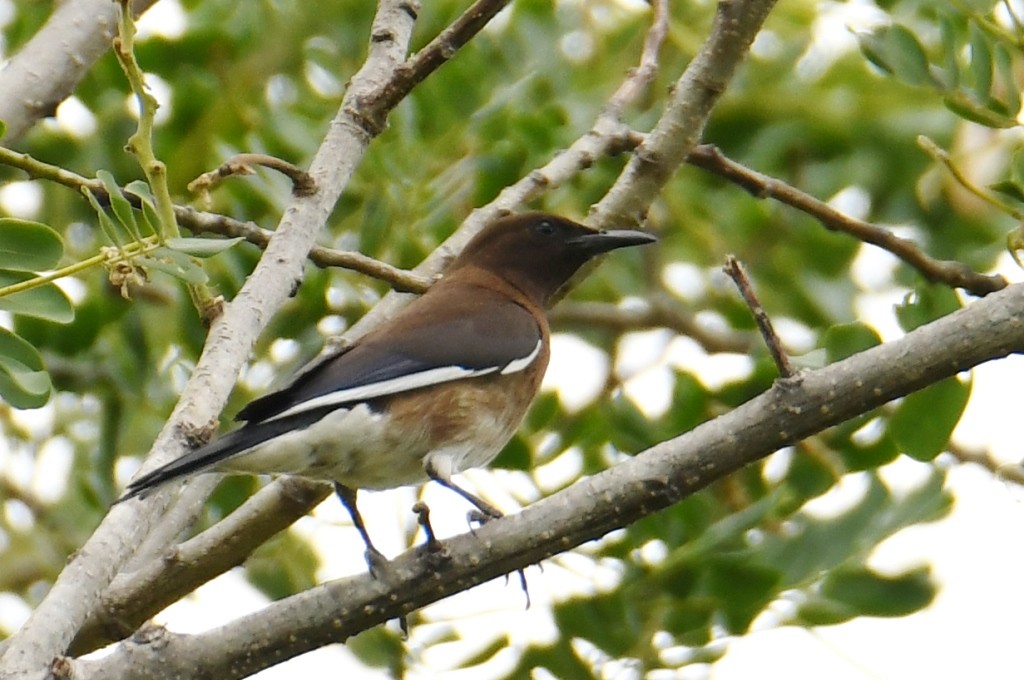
736, 24
38, 78
789, 411
956, 274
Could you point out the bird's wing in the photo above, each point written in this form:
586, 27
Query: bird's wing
434, 345
489, 335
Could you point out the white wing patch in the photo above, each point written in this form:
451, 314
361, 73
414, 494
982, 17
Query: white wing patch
433, 376
517, 365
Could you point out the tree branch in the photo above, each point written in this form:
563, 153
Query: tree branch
951, 273
737, 23
39, 77
789, 411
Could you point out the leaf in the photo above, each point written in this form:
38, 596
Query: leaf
844, 340
981, 64
925, 305
924, 420
515, 456
45, 301
949, 53
149, 215
1008, 80
119, 205
189, 272
906, 56
106, 224
961, 105
202, 247
1009, 188
871, 594
27, 246
24, 382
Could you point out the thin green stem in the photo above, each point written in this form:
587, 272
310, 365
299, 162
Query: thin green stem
141, 144
110, 256
942, 156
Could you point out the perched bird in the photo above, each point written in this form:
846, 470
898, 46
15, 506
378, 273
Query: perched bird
438, 389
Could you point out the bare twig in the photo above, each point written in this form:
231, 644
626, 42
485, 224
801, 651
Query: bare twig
952, 273
1008, 472
198, 222
241, 164
680, 126
656, 313
374, 108
735, 270
400, 279
641, 76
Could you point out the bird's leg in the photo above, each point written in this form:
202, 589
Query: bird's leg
483, 512
486, 510
433, 549
375, 559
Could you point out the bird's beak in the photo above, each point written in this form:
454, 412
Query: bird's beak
603, 241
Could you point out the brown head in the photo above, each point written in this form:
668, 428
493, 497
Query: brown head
538, 253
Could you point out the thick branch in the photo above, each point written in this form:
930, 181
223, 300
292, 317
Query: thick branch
39, 77
788, 412
736, 24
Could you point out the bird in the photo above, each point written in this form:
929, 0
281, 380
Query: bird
438, 389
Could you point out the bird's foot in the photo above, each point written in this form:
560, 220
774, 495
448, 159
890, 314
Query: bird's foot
378, 564
432, 549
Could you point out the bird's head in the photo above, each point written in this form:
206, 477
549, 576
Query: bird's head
538, 253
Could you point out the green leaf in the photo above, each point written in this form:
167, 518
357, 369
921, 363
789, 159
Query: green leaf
924, 420
925, 305
981, 64
150, 217
1017, 167
961, 105
1010, 189
871, 594
106, 224
187, 272
847, 339
28, 246
24, 382
906, 56
743, 587
1008, 80
45, 301
949, 53
515, 455
120, 206
202, 247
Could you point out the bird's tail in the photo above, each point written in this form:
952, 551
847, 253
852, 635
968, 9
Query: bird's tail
206, 458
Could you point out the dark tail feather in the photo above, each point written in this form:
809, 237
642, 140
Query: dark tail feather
233, 443
199, 460
206, 457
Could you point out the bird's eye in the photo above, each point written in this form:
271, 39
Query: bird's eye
545, 228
